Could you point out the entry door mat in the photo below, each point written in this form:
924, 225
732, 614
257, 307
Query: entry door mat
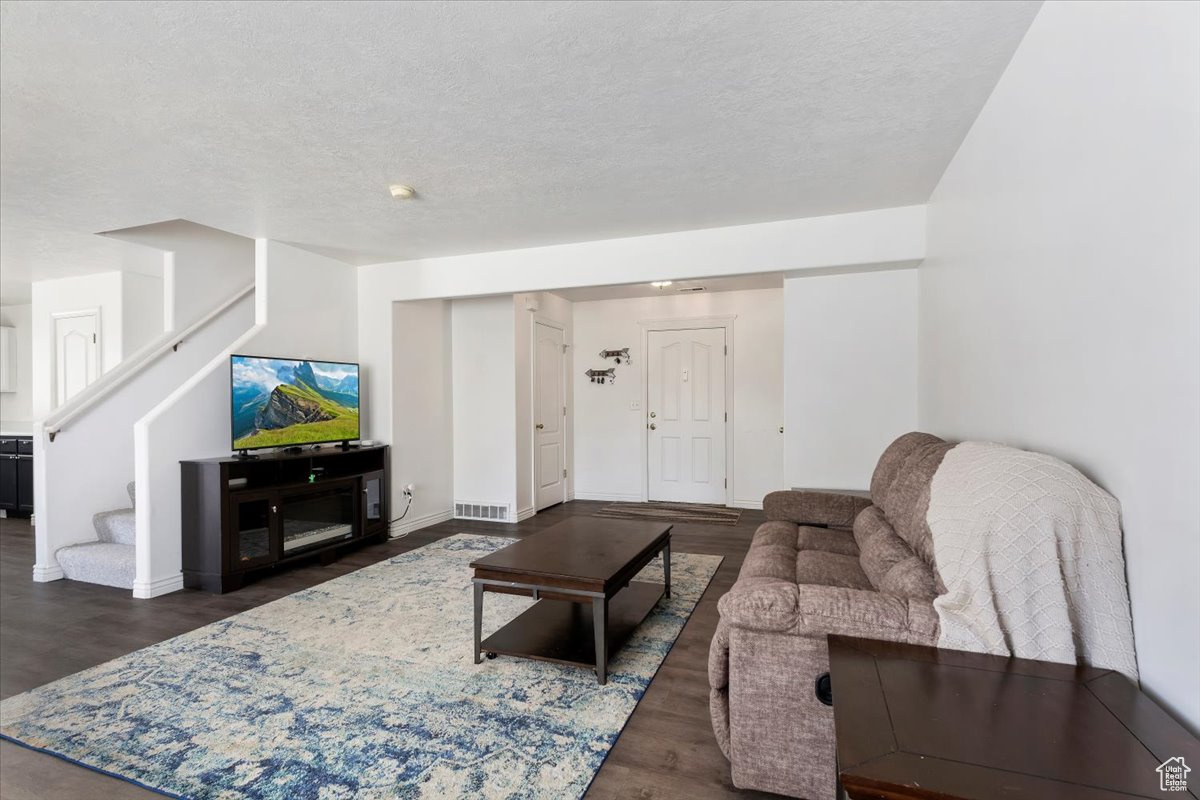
673, 512
361, 687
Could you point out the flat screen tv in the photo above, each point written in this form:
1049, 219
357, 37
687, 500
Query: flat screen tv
284, 402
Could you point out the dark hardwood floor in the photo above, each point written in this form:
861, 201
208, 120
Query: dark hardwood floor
51, 630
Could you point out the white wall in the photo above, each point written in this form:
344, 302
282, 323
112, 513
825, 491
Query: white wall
304, 306
142, 304
422, 405
102, 291
202, 266
850, 361
17, 407
1060, 300
608, 433
484, 390
550, 308
894, 235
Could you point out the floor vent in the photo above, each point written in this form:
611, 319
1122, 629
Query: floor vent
482, 511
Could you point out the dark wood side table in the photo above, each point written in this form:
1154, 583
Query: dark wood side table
584, 561
923, 723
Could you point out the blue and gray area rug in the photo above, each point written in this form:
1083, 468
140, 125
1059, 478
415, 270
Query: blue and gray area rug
361, 687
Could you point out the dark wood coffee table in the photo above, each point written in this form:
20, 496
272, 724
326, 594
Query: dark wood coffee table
919, 723
585, 560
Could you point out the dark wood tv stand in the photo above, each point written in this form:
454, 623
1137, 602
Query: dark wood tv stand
242, 518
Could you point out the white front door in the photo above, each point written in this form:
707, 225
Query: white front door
686, 415
76, 353
549, 417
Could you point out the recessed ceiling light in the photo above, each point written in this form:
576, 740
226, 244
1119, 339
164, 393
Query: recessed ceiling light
660, 284
401, 192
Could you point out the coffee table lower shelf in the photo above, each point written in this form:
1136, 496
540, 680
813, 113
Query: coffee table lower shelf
561, 631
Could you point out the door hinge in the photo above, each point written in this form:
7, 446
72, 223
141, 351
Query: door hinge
564, 473
564, 348
564, 411
93, 338
727, 483
727, 416
726, 349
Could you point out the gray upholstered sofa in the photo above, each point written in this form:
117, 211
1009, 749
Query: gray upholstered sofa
823, 563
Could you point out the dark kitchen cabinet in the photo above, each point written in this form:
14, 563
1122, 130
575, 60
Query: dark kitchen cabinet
16, 474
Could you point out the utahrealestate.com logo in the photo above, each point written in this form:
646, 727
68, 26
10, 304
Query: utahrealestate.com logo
1172, 775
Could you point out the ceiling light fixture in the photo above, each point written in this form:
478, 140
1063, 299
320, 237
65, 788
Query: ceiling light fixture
660, 284
401, 192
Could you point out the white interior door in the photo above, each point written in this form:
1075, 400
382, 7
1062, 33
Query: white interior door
76, 353
549, 417
686, 415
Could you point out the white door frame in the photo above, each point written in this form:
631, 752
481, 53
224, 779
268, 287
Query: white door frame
535, 320
54, 318
683, 324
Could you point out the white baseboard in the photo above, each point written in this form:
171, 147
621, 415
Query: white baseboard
416, 523
526, 513
753, 505
609, 497
44, 573
144, 590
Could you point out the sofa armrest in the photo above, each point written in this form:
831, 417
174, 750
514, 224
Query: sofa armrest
807, 610
830, 509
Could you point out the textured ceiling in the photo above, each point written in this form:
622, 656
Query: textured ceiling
520, 124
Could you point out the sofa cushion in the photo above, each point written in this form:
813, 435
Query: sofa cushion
892, 461
869, 524
881, 548
910, 579
817, 567
906, 502
775, 532
770, 561
828, 539
809, 507
888, 561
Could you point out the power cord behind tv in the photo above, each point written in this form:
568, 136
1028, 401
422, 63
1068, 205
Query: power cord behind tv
408, 492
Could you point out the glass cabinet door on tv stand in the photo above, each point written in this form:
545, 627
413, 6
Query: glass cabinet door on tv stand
374, 503
253, 537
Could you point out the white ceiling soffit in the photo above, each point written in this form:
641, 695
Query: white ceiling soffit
735, 283
520, 124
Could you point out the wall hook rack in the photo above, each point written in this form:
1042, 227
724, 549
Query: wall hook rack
617, 355
602, 375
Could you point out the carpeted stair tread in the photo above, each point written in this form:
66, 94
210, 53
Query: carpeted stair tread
116, 527
105, 563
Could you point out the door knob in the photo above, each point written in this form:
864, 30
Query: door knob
540, 426
653, 415
653, 427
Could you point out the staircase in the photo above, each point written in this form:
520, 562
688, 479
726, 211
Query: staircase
109, 561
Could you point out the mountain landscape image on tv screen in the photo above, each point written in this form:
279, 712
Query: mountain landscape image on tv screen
278, 402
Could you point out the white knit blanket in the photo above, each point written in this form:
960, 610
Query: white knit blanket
1030, 553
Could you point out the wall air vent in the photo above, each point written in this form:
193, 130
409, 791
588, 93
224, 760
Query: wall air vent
482, 511
690, 289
